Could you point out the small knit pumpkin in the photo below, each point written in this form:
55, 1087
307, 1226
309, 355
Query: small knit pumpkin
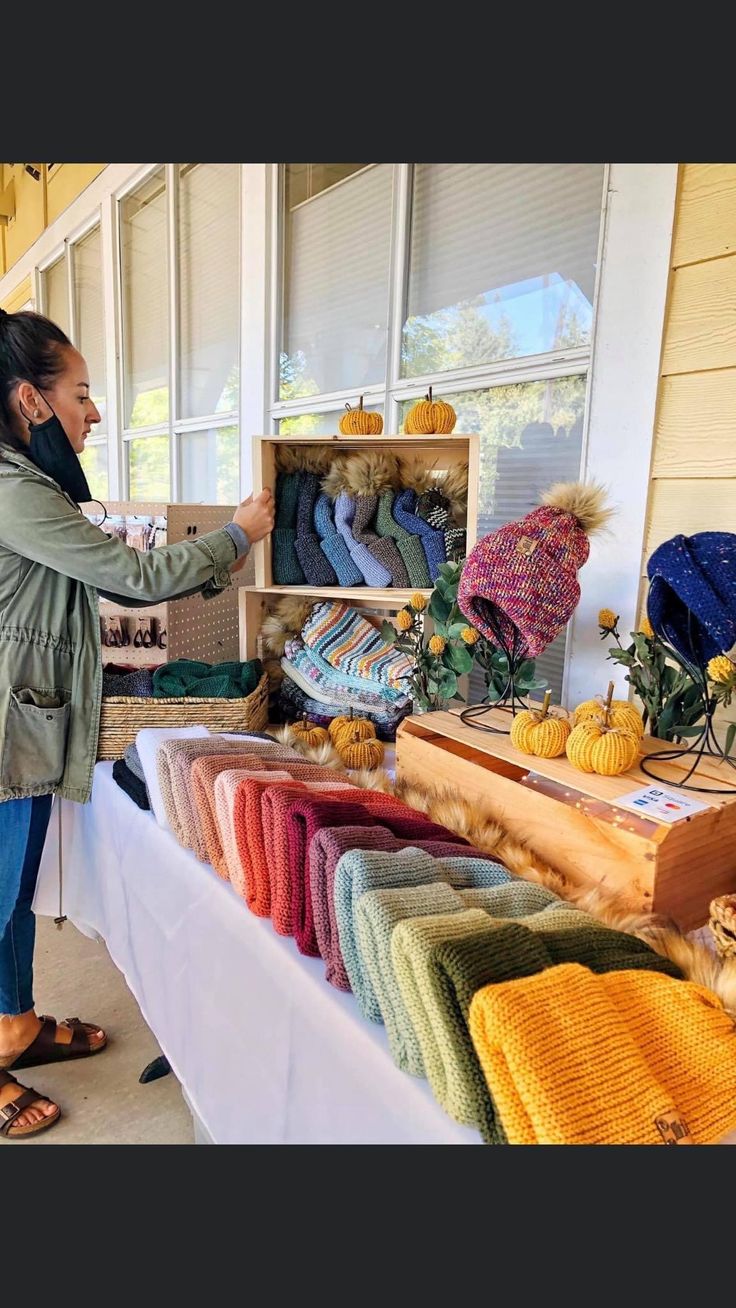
357, 753
539, 733
429, 417
358, 422
308, 733
620, 714
350, 728
592, 747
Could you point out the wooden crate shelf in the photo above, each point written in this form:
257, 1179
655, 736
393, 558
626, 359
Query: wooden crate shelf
439, 452
571, 819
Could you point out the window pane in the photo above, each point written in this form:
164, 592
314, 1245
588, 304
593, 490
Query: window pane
210, 466
94, 461
209, 261
502, 262
531, 437
56, 296
90, 316
305, 180
318, 424
336, 270
145, 304
148, 464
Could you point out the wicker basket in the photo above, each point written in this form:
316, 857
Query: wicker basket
723, 924
123, 716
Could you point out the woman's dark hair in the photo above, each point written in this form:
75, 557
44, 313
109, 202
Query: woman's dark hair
30, 350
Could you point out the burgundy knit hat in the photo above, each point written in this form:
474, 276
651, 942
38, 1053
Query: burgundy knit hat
522, 579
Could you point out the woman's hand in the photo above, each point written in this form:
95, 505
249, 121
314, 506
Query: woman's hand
256, 516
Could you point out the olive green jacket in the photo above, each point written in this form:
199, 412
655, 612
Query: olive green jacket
53, 565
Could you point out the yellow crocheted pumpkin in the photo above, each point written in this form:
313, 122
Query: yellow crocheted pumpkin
351, 728
357, 422
308, 733
357, 753
539, 733
429, 417
591, 747
621, 714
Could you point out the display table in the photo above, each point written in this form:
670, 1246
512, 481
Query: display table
265, 1050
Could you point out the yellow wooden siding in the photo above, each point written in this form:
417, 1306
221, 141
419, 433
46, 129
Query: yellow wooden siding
696, 425
17, 298
66, 182
706, 219
693, 484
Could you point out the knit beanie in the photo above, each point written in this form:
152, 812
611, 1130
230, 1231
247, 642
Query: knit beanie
433, 542
325, 851
337, 487
435, 508
132, 785
333, 545
293, 703
252, 879
692, 593
409, 547
287, 570
361, 870
315, 565
342, 639
440, 963
620, 1058
368, 476
521, 581
290, 824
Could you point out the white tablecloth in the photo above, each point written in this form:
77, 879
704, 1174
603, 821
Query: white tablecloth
265, 1049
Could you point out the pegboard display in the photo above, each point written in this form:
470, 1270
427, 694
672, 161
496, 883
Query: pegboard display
195, 628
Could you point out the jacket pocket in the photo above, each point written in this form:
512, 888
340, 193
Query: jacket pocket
36, 730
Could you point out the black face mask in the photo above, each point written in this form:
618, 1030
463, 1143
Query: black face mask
51, 451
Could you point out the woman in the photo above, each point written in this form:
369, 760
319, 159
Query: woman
53, 564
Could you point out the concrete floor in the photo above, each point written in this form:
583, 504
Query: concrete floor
101, 1099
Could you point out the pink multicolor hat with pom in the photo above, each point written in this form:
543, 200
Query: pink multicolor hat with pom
520, 583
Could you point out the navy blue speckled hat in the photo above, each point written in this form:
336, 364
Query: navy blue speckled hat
692, 593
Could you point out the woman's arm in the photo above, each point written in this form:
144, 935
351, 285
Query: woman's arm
39, 523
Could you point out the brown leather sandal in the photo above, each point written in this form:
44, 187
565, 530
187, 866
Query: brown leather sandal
10, 1111
47, 1049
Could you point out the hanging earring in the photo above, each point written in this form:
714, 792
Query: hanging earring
37, 413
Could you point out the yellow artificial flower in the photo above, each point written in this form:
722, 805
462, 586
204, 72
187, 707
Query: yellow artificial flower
437, 644
404, 620
418, 602
607, 619
469, 635
646, 628
721, 668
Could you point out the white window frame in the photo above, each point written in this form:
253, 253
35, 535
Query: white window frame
622, 363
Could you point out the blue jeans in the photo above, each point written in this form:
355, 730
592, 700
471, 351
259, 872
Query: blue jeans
23, 826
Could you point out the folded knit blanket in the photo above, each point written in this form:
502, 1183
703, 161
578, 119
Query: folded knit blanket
621, 1058
362, 870
344, 640
376, 914
133, 760
242, 825
291, 823
203, 774
234, 863
185, 677
440, 962
174, 759
325, 852
138, 682
148, 741
328, 685
294, 703
132, 785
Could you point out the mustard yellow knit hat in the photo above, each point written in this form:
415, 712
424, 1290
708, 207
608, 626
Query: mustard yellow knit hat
628, 1057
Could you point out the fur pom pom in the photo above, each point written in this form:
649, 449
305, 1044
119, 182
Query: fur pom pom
304, 458
373, 472
454, 484
586, 501
285, 622
372, 779
336, 479
416, 475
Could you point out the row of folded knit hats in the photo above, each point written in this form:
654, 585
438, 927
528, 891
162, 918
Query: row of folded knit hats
327, 658
365, 519
533, 1021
